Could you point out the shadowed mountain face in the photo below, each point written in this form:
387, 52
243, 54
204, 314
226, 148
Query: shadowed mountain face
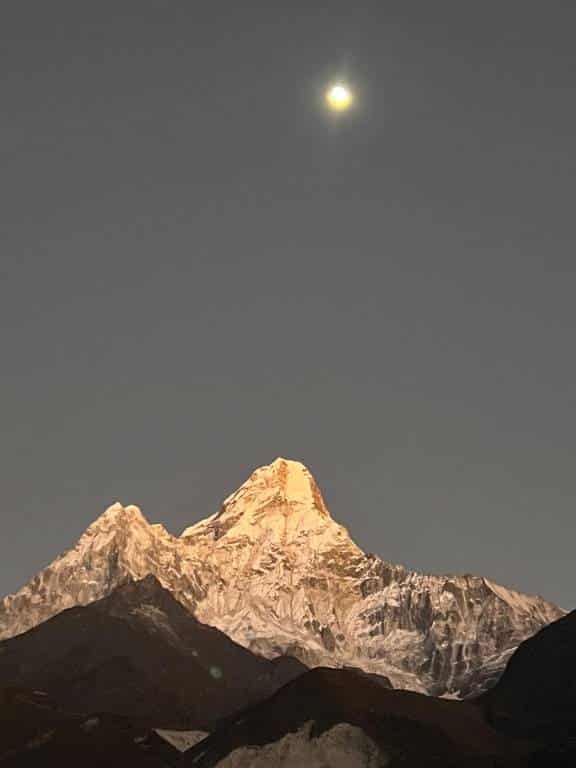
340, 718
278, 575
536, 695
324, 717
138, 652
36, 733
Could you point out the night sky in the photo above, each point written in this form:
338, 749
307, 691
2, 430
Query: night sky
200, 270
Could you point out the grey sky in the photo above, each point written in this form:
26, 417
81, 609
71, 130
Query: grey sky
199, 272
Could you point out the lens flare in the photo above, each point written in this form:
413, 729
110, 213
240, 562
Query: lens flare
216, 672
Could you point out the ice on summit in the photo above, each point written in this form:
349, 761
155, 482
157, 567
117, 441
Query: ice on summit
279, 501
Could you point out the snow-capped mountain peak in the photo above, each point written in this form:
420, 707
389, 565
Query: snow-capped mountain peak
274, 571
280, 503
293, 481
118, 515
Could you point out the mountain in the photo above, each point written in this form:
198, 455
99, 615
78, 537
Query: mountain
341, 719
119, 546
35, 732
293, 581
278, 575
139, 653
337, 718
536, 695
485, 676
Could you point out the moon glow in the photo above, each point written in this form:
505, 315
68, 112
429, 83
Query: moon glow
339, 97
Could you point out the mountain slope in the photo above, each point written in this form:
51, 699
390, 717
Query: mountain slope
119, 546
536, 695
339, 718
139, 653
276, 573
36, 732
292, 580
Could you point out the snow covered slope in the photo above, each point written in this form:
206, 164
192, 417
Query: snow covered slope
276, 573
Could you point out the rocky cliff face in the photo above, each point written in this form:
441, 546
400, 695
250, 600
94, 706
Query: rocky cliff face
342, 746
275, 572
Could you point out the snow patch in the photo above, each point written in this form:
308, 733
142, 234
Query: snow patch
182, 740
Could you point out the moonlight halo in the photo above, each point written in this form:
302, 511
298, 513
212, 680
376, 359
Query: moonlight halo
339, 97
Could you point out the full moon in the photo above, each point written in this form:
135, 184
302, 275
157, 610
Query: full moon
339, 97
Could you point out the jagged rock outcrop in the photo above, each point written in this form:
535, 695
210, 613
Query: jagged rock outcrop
276, 573
341, 746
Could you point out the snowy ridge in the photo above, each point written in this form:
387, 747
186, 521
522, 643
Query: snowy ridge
119, 546
276, 573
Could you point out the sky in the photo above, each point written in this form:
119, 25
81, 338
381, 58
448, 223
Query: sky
201, 270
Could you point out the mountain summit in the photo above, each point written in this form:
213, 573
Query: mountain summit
280, 504
278, 575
